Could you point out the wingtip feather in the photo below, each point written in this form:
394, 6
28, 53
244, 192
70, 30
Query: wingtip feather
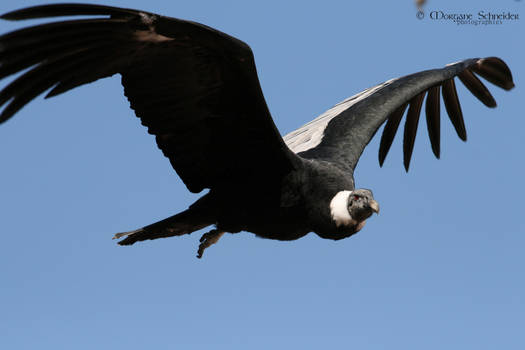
10, 16
453, 107
389, 132
432, 110
411, 124
477, 88
496, 71
66, 9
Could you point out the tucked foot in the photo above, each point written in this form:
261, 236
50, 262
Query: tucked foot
207, 240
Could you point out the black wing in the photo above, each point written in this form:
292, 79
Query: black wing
195, 88
340, 134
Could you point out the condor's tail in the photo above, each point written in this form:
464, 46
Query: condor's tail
195, 218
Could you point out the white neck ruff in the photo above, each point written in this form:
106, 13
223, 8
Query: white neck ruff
339, 209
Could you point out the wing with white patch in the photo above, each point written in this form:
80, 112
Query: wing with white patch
340, 134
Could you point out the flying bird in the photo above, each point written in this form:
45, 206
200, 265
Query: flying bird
196, 90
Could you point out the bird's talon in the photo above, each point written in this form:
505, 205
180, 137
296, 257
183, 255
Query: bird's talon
207, 240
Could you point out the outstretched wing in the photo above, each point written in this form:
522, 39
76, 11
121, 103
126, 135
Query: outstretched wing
195, 88
340, 134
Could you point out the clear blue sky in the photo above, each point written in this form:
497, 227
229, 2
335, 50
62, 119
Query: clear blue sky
440, 268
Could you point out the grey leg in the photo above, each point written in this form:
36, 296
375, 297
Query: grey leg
209, 239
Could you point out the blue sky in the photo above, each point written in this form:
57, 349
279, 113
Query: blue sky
440, 268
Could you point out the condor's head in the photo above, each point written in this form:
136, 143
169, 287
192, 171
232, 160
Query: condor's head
352, 208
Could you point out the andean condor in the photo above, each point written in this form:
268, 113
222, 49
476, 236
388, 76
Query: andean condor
196, 89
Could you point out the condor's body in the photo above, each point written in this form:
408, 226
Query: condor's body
301, 204
197, 91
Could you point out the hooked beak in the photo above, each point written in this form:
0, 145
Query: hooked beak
374, 206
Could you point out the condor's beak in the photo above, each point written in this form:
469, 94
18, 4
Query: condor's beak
374, 205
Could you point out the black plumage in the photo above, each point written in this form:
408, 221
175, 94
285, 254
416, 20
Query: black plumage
432, 110
196, 89
411, 127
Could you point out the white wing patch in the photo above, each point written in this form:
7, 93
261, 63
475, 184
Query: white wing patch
311, 134
339, 209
